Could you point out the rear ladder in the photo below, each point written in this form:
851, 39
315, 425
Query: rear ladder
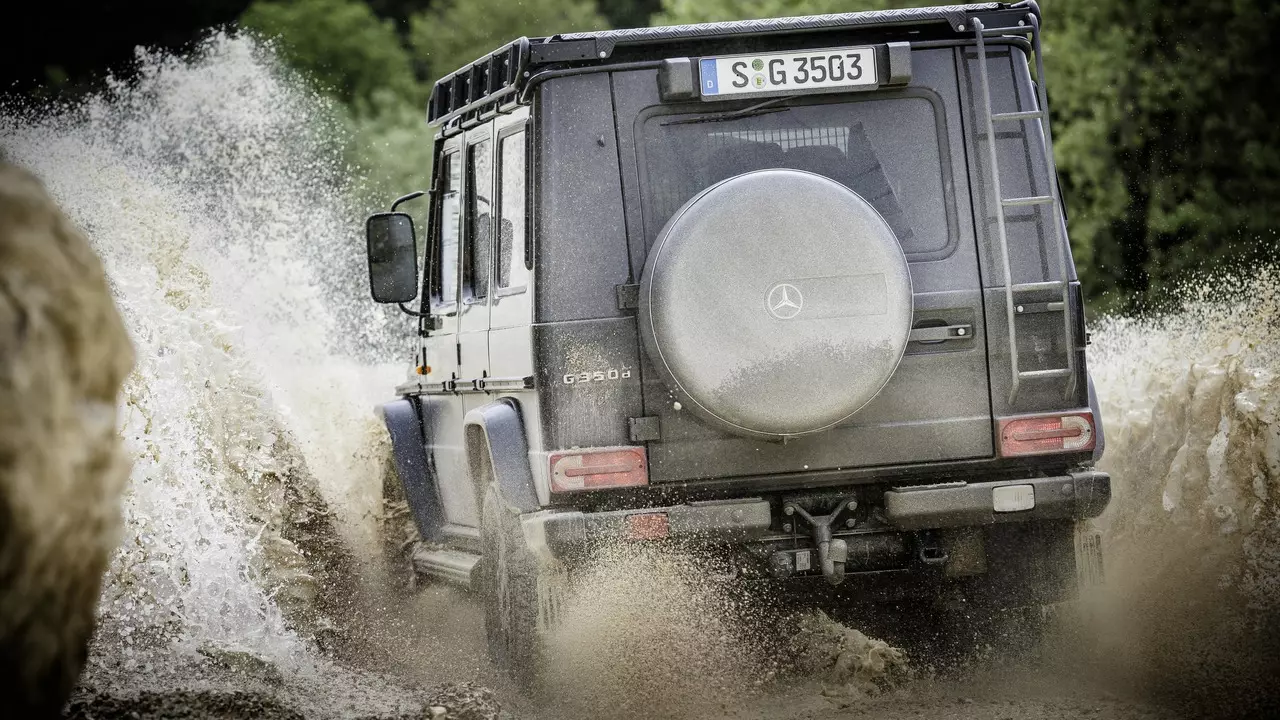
1014, 308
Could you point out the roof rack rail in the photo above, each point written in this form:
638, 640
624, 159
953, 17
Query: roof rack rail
498, 78
481, 83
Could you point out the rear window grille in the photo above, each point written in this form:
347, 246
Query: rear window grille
702, 155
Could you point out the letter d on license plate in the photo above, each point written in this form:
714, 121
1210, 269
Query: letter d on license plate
787, 73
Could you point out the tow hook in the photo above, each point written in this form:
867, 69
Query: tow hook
832, 553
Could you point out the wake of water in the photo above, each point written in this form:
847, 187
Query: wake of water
212, 187
1191, 404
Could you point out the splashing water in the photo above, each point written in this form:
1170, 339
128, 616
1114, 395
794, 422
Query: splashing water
212, 188
648, 632
1191, 404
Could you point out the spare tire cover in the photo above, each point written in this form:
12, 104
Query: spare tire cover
776, 303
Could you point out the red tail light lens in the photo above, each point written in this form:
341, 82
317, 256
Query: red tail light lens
598, 468
1045, 434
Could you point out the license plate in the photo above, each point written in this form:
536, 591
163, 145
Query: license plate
785, 73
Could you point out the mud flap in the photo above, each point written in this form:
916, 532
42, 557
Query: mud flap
413, 465
1089, 571
552, 573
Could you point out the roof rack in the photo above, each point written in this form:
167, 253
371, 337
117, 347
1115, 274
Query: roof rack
482, 83
952, 15
497, 78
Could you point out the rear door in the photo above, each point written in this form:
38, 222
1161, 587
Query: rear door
511, 308
903, 151
442, 409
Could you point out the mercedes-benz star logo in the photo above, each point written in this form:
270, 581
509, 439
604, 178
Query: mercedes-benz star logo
784, 301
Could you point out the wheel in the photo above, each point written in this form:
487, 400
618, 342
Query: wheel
515, 585
1031, 576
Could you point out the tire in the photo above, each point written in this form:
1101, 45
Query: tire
1018, 602
513, 583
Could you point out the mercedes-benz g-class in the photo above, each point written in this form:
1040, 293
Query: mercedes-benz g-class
797, 291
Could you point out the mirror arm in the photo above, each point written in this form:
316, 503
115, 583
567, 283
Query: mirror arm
415, 313
406, 198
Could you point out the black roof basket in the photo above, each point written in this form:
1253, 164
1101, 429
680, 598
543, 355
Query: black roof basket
496, 79
485, 81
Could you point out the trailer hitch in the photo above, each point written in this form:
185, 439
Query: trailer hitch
832, 552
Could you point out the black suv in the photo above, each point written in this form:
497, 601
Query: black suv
798, 291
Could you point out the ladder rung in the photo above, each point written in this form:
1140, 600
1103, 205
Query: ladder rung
1044, 374
1024, 201
1033, 286
1022, 115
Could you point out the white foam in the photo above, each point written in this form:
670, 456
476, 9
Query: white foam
213, 188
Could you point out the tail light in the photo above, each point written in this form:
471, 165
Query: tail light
1045, 434
598, 468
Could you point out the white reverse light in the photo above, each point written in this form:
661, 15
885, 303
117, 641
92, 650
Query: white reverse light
1012, 498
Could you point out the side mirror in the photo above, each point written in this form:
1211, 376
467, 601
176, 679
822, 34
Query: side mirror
393, 257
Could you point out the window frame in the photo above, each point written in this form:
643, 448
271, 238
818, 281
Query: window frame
436, 303
467, 250
499, 175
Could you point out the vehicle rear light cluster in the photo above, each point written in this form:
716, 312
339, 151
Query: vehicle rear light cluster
598, 468
1045, 434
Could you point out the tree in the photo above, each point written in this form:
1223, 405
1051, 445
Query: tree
452, 33
679, 12
340, 44
628, 13
1167, 140
342, 47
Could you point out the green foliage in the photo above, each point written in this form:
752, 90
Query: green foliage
628, 13
1167, 140
391, 146
452, 33
340, 44
679, 12
359, 58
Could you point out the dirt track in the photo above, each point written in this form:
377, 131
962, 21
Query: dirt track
437, 637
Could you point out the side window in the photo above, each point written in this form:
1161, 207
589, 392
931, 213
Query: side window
512, 273
444, 266
478, 255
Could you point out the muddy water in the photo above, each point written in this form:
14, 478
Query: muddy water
212, 188
1191, 398
252, 581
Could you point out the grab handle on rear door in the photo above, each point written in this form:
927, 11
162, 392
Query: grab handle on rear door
941, 333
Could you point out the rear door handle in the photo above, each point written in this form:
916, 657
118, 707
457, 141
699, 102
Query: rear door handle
941, 333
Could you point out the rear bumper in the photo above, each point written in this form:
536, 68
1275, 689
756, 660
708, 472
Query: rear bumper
948, 505
720, 521
1077, 495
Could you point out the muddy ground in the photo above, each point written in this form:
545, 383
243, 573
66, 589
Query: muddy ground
432, 651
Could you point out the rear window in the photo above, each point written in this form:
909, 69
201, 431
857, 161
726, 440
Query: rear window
886, 150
